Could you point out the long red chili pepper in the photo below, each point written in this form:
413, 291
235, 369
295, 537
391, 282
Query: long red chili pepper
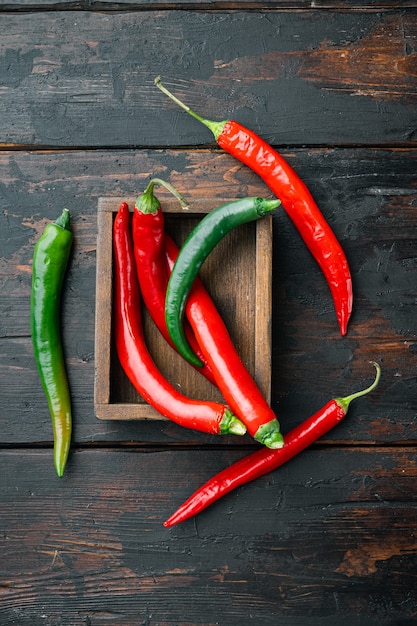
263, 461
296, 199
209, 417
148, 243
235, 382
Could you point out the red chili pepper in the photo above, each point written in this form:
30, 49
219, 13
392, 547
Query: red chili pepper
296, 199
235, 382
209, 417
148, 242
263, 461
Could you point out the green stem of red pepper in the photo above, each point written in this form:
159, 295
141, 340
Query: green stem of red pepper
296, 199
263, 461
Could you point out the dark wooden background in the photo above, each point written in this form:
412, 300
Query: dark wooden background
330, 538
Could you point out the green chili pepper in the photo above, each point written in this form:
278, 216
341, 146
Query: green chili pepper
196, 248
50, 261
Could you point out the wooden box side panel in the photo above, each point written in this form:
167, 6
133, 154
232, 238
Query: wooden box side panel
237, 275
104, 289
263, 306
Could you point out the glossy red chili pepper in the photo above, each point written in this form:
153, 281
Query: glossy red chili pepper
235, 382
209, 417
263, 461
148, 242
296, 199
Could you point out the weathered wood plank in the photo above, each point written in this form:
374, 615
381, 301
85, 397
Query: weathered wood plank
329, 538
368, 196
66, 80
126, 5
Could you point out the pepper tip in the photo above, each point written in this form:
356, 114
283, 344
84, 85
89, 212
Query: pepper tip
59, 471
169, 522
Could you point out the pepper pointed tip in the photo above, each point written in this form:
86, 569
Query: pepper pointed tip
123, 207
59, 471
343, 328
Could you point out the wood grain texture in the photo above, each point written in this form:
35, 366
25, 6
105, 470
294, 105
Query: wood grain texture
318, 541
67, 81
124, 5
368, 196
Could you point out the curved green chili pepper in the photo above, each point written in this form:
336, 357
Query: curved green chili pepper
50, 261
196, 248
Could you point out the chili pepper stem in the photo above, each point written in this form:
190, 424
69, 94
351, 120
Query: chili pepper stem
215, 127
269, 435
345, 402
63, 220
230, 424
148, 203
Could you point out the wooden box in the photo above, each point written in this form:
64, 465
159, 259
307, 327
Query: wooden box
238, 276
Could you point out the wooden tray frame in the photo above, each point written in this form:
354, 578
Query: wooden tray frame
105, 407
